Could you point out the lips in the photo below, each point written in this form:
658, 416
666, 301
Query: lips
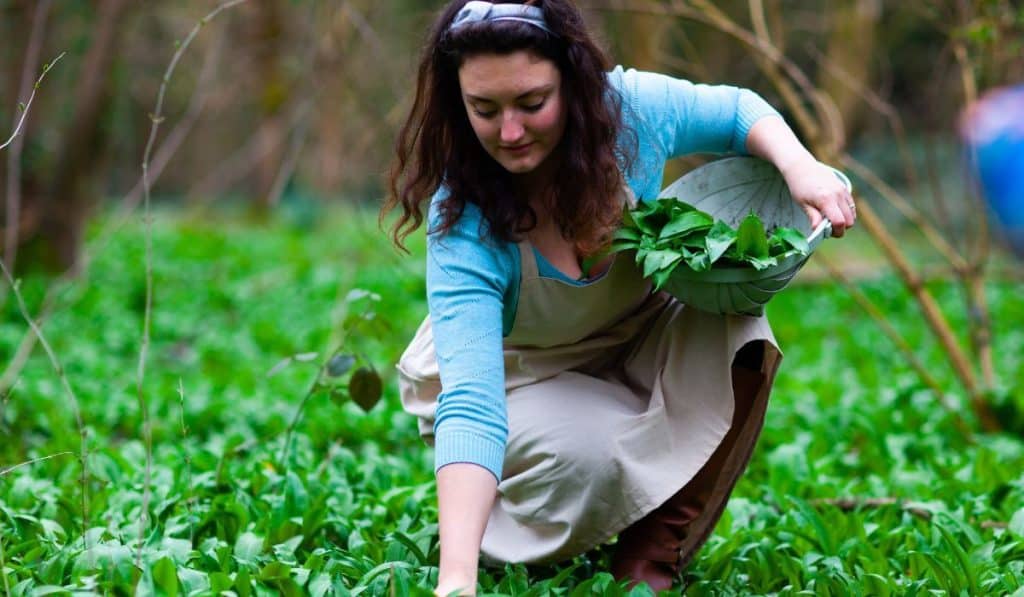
518, 148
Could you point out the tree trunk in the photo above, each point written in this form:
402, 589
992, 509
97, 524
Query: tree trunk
72, 193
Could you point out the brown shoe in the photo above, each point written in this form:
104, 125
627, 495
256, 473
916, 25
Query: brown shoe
649, 550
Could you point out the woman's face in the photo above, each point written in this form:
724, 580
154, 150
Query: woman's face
515, 105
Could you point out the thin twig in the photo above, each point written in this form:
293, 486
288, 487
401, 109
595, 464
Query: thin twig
937, 194
67, 389
932, 313
877, 103
28, 343
283, 459
287, 168
977, 302
13, 211
908, 211
849, 504
169, 146
147, 316
188, 462
15, 467
28, 104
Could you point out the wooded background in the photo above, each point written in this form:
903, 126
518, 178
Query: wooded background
303, 98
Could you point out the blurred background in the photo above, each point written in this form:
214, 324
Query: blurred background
299, 100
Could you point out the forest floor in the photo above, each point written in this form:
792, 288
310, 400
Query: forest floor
862, 483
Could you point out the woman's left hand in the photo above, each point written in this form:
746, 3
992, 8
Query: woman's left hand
821, 194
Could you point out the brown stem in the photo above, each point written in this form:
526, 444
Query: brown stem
937, 194
156, 118
932, 314
849, 504
873, 100
169, 146
908, 211
15, 467
771, 69
76, 410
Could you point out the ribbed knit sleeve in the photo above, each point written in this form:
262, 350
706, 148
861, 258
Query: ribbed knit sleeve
468, 279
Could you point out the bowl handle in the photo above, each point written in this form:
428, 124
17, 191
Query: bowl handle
822, 231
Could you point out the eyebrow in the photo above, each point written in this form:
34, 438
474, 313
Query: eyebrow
534, 91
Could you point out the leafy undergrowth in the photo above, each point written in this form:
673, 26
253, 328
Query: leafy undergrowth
349, 507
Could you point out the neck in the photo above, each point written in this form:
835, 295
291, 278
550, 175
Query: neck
538, 182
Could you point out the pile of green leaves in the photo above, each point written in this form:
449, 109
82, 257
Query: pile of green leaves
670, 232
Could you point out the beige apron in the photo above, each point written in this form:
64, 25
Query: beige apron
616, 397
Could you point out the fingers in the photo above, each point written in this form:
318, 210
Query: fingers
840, 210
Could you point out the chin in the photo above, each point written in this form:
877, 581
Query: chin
518, 166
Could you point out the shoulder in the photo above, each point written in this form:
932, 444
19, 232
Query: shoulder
641, 89
467, 246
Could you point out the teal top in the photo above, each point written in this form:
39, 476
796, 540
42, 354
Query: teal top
473, 279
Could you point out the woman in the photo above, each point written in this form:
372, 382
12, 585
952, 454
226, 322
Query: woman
570, 404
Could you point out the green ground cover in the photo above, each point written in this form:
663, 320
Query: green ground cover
351, 509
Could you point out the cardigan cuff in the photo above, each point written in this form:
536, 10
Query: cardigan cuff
466, 446
750, 108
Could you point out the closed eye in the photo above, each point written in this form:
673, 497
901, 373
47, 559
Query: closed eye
535, 107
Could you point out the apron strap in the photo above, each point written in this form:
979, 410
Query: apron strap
527, 261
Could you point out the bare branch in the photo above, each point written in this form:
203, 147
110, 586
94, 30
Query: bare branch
909, 211
901, 344
873, 100
15, 467
28, 104
156, 118
177, 136
67, 389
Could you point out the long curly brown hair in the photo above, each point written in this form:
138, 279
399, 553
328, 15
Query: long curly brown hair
437, 144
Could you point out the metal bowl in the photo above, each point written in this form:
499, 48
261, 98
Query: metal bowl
729, 189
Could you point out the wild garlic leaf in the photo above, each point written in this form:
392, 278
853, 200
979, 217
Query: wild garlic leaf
658, 260
719, 239
685, 223
751, 239
761, 263
792, 237
627, 234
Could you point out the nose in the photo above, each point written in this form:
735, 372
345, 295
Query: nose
511, 129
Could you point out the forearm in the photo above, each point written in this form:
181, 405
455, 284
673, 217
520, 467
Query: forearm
814, 186
465, 495
772, 139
